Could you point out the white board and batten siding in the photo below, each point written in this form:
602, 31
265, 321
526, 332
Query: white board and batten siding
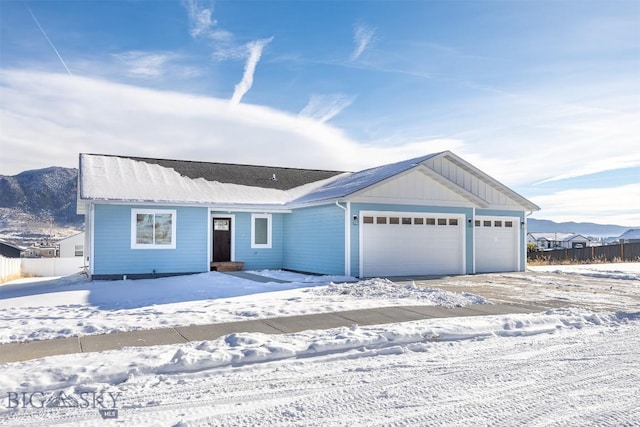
412, 188
411, 243
472, 183
497, 244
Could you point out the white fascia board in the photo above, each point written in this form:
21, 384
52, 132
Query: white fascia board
214, 207
331, 201
530, 206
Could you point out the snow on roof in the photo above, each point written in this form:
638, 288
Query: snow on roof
121, 178
348, 184
104, 177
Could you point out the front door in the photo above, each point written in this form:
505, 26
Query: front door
221, 239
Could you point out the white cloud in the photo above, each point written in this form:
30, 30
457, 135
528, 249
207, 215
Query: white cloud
199, 18
203, 25
324, 107
225, 46
548, 134
362, 36
614, 205
144, 64
48, 119
255, 52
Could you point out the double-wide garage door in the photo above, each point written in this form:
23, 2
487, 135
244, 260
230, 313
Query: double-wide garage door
496, 244
402, 244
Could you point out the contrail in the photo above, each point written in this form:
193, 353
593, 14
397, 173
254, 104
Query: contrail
255, 52
50, 43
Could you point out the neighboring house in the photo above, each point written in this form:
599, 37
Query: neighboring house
72, 246
432, 215
43, 250
9, 250
630, 236
550, 241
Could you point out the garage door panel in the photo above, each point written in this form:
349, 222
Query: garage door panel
496, 244
412, 248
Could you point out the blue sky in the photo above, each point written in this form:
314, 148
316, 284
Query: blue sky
542, 95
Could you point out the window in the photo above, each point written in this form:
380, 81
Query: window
486, 223
431, 221
221, 224
394, 220
418, 221
153, 229
78, 250
406, 220
367, 220
477, 222
261, 231
442, 221
453, 221
381, 220
508, 223
497, 223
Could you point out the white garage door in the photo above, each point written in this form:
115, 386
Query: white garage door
403, 244
496, 244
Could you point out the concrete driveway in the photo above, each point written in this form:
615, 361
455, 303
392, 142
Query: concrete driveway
552, 290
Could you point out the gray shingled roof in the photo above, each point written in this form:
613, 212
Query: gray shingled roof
255, 176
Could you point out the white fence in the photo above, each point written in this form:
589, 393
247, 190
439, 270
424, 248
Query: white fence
9, 267
50, 267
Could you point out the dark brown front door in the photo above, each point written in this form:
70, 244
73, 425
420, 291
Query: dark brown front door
221, 239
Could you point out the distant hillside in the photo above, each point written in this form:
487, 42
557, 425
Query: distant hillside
37, 202
584, 228
42, 203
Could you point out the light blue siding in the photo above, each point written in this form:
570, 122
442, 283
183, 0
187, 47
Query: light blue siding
355, 240
258, 258
314, 240
112, 243
523, 234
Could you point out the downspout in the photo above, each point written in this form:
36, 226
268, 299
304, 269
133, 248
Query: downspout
347, 237
473, 238
89, 239
524, 240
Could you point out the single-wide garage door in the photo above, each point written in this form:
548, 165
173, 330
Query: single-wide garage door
496, 244
402, 244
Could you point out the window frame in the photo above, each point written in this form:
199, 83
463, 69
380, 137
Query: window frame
78, 250
269, 219
134, 229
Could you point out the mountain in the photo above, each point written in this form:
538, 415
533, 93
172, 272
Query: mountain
587, 229
39, 204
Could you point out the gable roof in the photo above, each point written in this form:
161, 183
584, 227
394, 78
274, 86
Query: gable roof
11, 245
351, 184
137, 179
557, 237
632, 233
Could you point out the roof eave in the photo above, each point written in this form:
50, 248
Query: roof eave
524, 202
253, 207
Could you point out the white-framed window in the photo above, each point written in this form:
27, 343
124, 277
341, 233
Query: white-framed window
260, 231
78, 250
153, 229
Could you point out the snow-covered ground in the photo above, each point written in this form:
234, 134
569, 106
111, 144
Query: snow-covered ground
74, 306
559, 367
